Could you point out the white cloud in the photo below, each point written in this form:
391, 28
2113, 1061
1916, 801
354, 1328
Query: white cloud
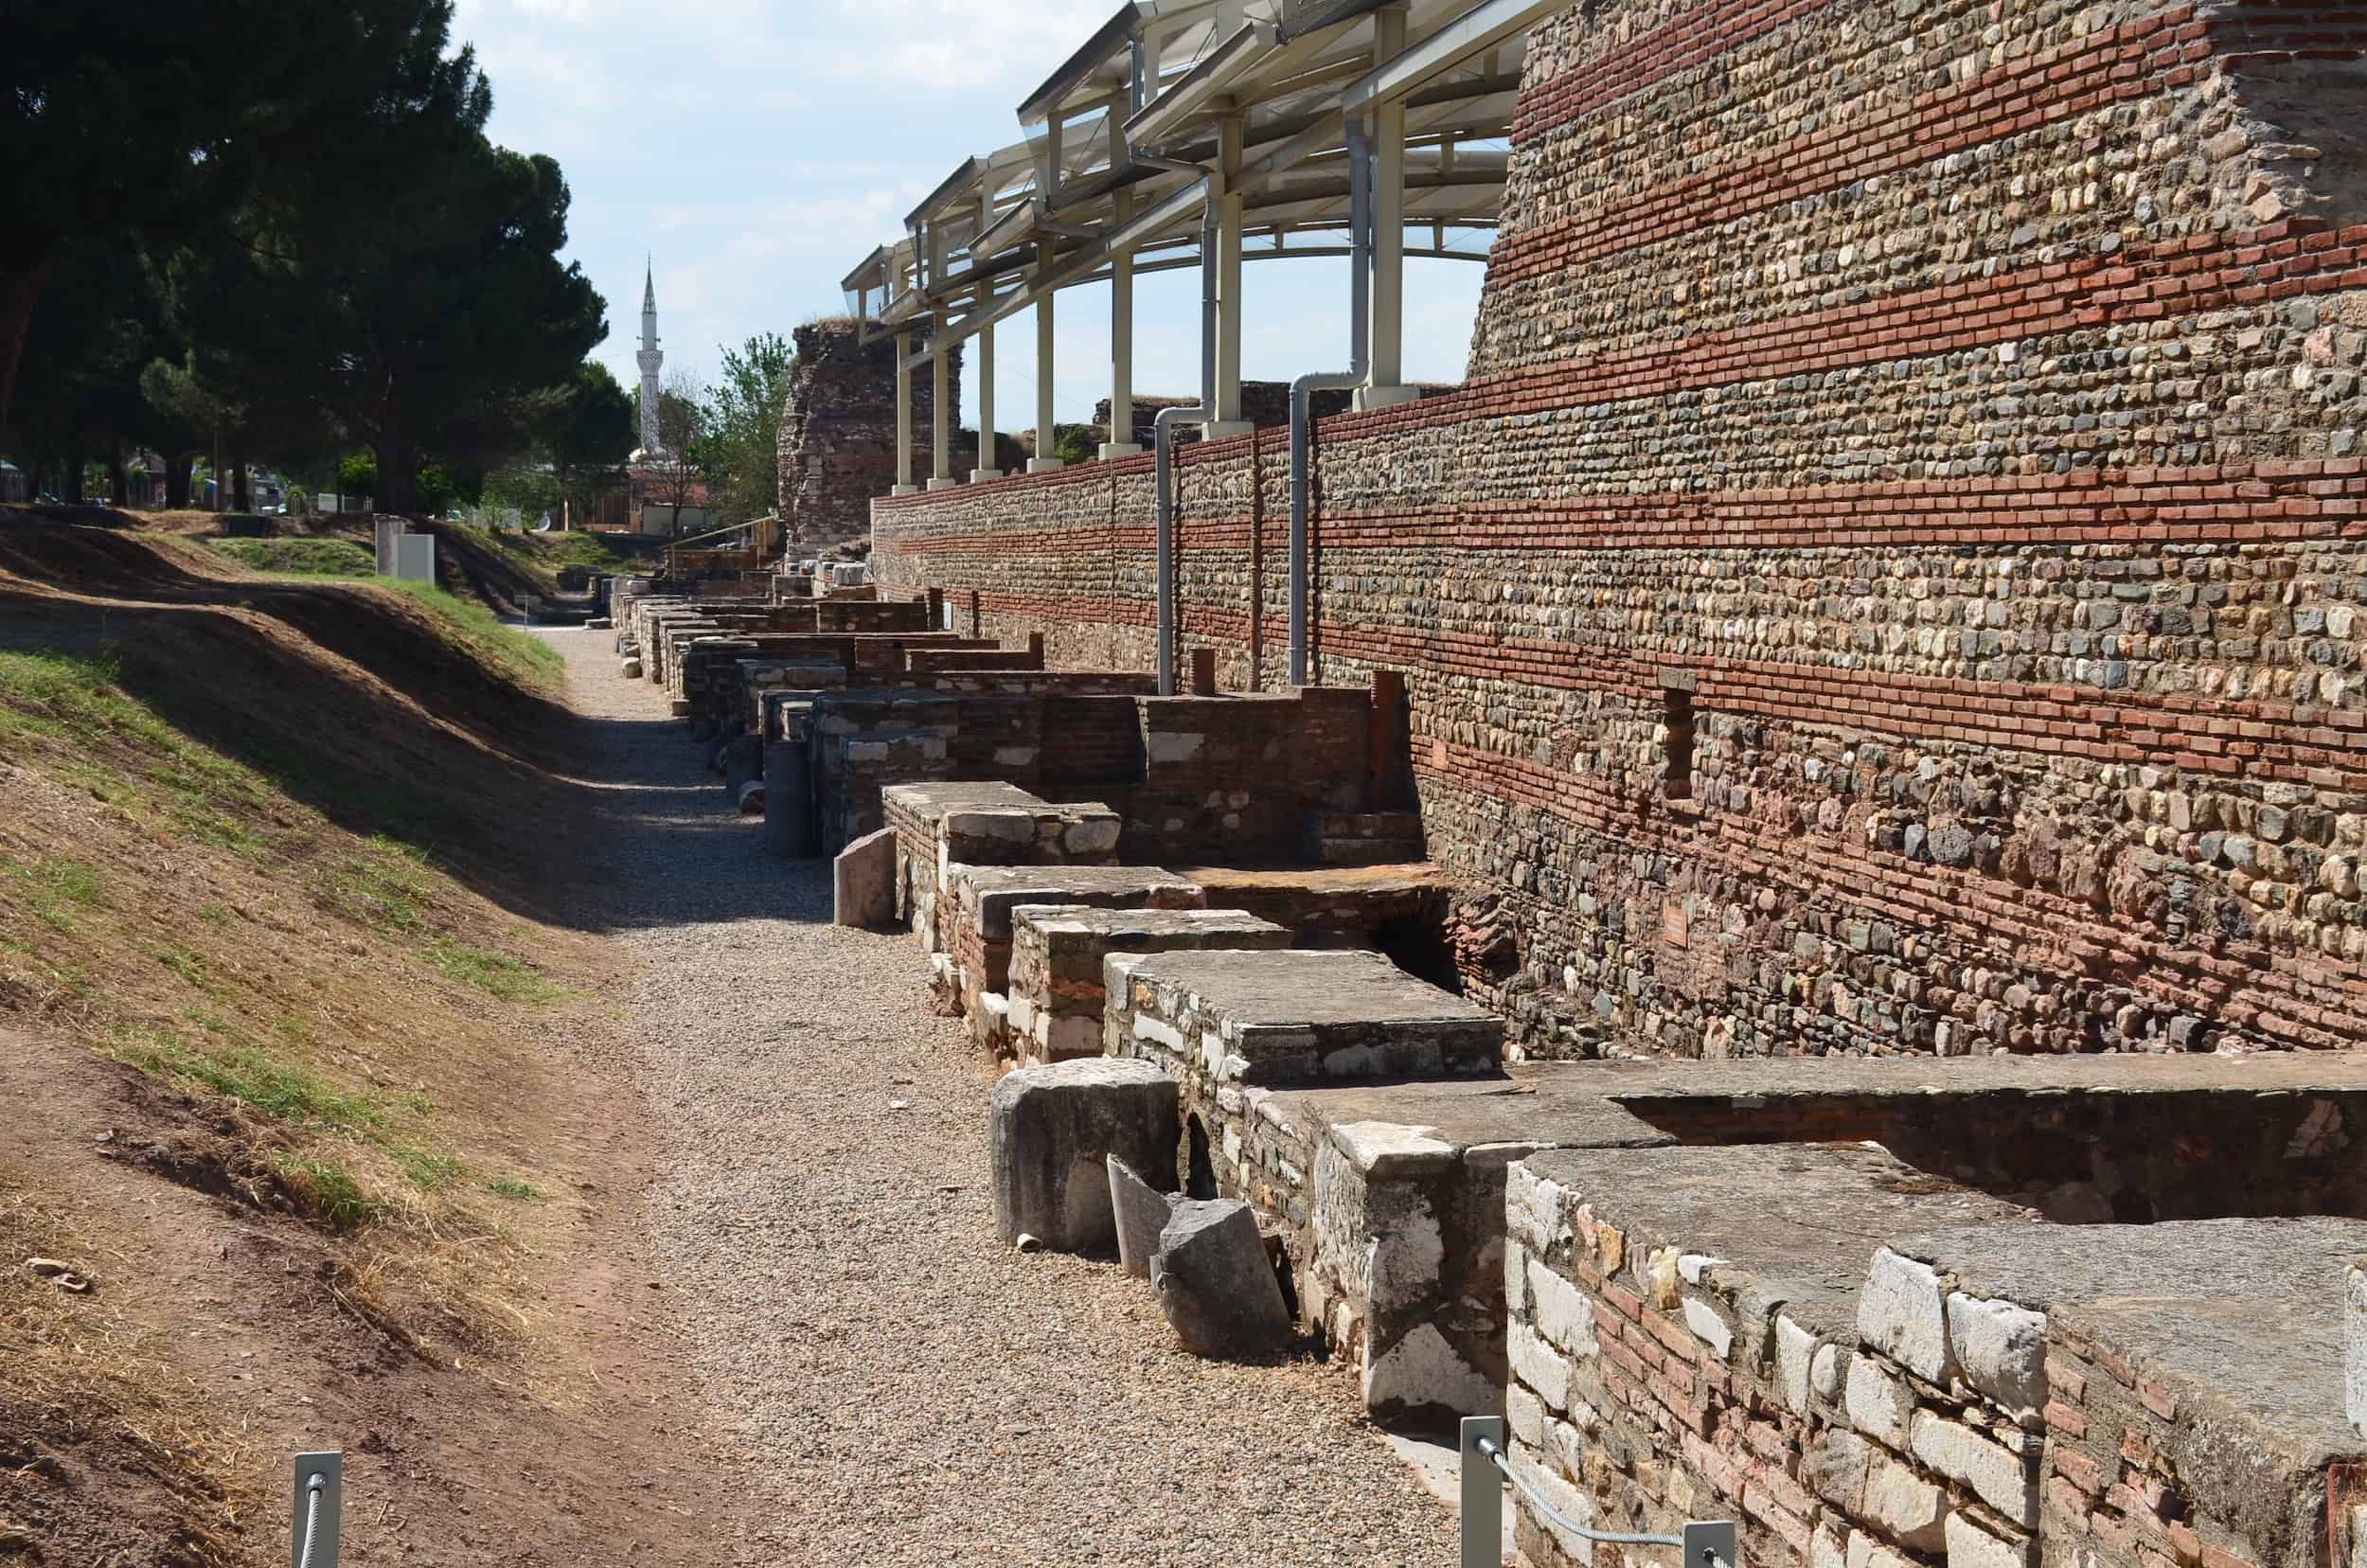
968, 44
755, 150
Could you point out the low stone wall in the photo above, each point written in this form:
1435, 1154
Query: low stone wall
853, 764
1773, 1335
983, 903
942, 826
1237, 1030
1057, 998
917, 812
1239, 777
768, 682
1226, 778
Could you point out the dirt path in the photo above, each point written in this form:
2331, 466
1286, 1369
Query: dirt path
903, 1389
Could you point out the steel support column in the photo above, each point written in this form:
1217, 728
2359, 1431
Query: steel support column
904, 485
1388, 383
1046, 439
941, 421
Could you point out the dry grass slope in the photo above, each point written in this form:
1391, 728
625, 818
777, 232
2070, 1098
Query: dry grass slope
271, 940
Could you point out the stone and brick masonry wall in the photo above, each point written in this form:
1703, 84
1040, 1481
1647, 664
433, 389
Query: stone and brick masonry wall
837, 444
1893, 580
1855, 1406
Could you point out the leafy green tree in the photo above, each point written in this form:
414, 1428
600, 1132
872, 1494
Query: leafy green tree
684, 476
585, 432
188, 421
743, 417
403, 274
139, 121
80, 364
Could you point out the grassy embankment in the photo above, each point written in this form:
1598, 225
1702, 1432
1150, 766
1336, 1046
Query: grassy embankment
277, 851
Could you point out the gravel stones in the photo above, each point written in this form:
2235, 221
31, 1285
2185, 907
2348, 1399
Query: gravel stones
883, 1382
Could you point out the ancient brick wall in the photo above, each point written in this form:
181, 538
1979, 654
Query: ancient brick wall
1891, 581
837, 445
1939, 1403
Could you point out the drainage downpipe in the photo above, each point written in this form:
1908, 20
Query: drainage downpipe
1360, 333
1162, 426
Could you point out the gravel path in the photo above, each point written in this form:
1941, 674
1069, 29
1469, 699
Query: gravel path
906, 1391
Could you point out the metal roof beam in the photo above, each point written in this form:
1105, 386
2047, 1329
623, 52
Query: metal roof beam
1475, 32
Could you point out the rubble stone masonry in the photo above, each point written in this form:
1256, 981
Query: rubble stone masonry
837, 443
1893, 579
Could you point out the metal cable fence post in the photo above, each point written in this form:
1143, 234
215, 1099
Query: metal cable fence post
317, 1513
1483, 1495
1704, 1543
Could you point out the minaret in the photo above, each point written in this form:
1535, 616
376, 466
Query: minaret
649, 357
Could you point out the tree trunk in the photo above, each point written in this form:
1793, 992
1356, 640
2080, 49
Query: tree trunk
397, 475
119, 482
74, 476
241, 500
17, 294
177, 480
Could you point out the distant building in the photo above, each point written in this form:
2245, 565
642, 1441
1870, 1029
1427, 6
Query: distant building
662, 496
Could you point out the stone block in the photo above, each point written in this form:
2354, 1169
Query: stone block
2355, 1343
1141, 1211
1538, 1365
862, 880
2001, 1349
1214, 1280
1524, 1413
1053, 1128
1707, 1327
1902, 1312
1564, 1315
1795, 1351
1970, 1546
1904, 1506
1880, 1404
1865, 1551
1995, 1475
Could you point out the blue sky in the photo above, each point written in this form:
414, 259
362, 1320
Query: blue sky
758, 148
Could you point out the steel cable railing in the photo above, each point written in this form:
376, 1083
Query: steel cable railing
1703, 1545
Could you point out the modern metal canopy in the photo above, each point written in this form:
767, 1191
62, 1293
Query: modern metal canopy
1171, 103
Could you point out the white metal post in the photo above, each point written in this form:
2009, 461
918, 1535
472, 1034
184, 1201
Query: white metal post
1044, 461
1230, 144
985, 468
1483, 1495
1386, 384
903, 416
1121, 442
317, 1500
940, 420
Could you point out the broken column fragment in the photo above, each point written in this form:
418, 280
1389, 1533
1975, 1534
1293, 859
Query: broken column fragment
1054, 1127
862, 880
1217, 1283
1142, 1211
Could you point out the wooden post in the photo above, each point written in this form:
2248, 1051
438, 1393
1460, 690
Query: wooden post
1387, 740
1034, 649
1203, 672
975, 618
